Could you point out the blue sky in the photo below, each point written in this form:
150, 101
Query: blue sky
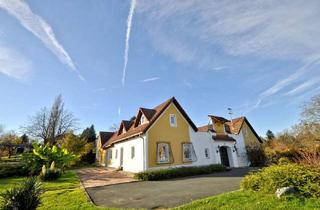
260, 58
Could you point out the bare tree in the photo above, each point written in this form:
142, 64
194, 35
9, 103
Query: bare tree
114, 127
50, 125
311, 110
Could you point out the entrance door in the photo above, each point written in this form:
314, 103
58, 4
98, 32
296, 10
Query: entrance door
121, 156
224, 156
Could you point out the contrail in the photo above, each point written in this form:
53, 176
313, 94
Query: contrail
126, 51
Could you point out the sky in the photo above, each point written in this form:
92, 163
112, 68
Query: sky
108, 58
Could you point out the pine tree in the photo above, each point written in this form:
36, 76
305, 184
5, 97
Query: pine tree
270, 135
89, 134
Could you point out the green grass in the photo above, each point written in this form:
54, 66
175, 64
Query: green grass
247, 200
66, 193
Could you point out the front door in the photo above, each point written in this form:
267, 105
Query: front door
224, 156
121, 156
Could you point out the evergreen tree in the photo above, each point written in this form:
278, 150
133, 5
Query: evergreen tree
270, 135
24, 139
89, 134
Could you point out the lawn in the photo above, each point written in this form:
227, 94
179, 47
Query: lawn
67, 194
62, 194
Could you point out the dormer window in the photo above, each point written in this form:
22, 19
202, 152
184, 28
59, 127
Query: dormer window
173, 120
142, 120
123, 130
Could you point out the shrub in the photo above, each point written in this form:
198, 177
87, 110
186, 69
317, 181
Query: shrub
25, 196
309, 158
256, 155
178, 172
45, 155
50, 174
32, 163
305, 179
284, 161
10, 169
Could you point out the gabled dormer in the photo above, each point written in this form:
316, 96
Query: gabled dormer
218, 124
144, 116
124, 126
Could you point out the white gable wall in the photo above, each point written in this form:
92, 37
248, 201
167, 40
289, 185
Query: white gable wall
135, 164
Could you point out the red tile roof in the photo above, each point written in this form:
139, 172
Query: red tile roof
153, 114
231, 128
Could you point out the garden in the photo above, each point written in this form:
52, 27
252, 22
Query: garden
42, 175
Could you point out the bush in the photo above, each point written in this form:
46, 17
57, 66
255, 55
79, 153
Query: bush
25, 196
32, 163
45, 155
178, 172
305, 179
256, 155
12, 169
49, 174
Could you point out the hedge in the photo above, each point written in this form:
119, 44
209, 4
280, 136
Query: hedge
305, 179
169, 173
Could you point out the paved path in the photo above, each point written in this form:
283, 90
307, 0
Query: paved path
169, 193
98, 176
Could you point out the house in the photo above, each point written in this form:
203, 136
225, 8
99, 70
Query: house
165, 136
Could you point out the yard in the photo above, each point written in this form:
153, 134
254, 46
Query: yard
66, 193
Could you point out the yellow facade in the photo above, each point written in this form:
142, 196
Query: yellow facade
249, 137
219, 127
161, 131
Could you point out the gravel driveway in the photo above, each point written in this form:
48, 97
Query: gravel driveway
168, 193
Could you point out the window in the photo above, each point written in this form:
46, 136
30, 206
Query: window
116, 154
163, 153
188, 152
132, 152
173, 120
142, 120
109, 154
206, 153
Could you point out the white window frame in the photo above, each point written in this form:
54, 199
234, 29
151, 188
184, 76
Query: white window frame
191, 150
167, 160
116, 157
132, 152
207, 153
173, 116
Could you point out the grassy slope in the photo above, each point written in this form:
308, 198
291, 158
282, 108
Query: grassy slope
67, 194
245, 200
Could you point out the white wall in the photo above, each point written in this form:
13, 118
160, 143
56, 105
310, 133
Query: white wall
241, 150
200, 141
135, 164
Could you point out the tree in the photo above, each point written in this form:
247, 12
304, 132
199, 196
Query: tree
8, 142
24, 139
89, 134
311, 110
270, 135
75, 144
114, 127
50, 125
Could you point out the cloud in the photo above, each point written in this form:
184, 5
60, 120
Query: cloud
150, 79
13, 64
304, 86
202, 32
119, 111
38, 26
126, 51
